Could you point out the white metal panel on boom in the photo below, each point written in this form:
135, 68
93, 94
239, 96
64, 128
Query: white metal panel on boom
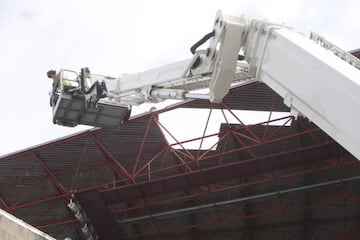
318, 81
312, 80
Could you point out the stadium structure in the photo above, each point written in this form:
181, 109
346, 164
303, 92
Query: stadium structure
260, 181
277, 176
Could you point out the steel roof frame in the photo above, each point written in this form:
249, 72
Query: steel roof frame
249, 158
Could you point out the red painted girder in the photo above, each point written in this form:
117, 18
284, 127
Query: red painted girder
220, 173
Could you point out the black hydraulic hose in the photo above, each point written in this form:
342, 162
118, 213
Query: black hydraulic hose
202, 41
82, 80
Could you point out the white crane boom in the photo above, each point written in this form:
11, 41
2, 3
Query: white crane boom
314, 77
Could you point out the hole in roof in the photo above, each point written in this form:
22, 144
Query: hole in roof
185, 127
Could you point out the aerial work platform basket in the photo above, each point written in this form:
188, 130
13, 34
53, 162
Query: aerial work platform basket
70, 106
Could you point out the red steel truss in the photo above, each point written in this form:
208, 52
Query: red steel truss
275, 178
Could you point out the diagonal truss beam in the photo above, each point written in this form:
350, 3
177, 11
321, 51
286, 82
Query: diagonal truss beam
53, 178
119, 167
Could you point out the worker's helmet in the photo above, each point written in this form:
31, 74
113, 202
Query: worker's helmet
50, 73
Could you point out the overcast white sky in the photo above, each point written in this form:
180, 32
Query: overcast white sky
116, 37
